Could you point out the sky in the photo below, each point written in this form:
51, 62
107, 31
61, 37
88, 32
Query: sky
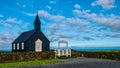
83, 23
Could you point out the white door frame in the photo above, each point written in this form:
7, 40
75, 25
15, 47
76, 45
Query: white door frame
38, 45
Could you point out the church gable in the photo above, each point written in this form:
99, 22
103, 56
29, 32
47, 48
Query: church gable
38, 35
43, 36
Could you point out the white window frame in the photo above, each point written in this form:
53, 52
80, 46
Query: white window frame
14, 46
18, 46
22, 46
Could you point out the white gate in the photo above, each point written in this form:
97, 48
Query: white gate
60, 52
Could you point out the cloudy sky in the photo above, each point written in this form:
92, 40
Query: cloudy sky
83, 23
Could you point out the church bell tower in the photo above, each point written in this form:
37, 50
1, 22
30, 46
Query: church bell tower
37, 23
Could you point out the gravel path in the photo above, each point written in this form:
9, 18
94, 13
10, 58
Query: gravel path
80, 63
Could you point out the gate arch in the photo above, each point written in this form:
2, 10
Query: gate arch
66, 51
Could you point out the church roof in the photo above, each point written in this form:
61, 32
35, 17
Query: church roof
24, 36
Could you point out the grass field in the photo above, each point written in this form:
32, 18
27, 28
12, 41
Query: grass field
27, 63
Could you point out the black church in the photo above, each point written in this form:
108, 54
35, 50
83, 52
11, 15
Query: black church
33, 40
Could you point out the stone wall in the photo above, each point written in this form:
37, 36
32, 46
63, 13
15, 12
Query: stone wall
25, 56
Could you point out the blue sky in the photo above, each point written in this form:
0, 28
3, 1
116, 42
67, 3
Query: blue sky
83, 23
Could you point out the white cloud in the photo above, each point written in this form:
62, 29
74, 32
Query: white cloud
88, 38
26, 25
105, 4
54, 38
52, 2
56, 32
59, 18
9, 22
7, 25
112, 20
19, 31
81, 21
1, 15
44, 14
47, 6
77, 6
77, 11
3, 22
20, 5
116, 35
29, 14
77, 21
68, 36
82, 13
13, 20
6, 40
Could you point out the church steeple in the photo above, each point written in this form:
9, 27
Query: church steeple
37, 23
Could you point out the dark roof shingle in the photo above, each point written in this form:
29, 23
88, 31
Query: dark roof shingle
24, 36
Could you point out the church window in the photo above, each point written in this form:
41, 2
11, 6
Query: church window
22, 45
14, 46
18, 46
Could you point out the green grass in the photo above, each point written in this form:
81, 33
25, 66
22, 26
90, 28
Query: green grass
4, 51
27, 63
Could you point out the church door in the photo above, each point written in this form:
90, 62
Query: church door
38, 45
